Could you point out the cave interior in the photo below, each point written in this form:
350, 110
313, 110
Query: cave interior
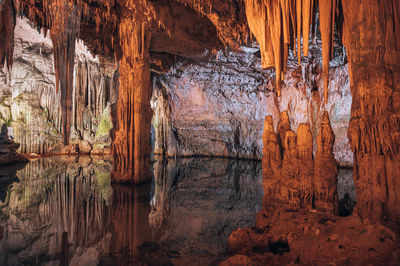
280, 119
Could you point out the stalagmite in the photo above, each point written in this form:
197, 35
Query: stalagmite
283, 126
327, 10
325, 169
271, 164
271, 148
305, 162
297, 181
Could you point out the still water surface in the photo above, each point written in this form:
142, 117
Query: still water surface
64, 210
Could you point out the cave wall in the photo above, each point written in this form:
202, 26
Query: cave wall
217, 107
31, 107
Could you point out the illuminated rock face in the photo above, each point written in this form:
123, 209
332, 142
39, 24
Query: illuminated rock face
31, 106
217, 107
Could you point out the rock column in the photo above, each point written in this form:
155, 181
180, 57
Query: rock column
372, 38
131, 144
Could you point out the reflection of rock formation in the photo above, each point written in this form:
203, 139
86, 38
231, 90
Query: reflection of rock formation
8, 176
298, 182
64, 210
129, 220
198, 202
59, 205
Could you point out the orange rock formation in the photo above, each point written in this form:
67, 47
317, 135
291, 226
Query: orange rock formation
299, 182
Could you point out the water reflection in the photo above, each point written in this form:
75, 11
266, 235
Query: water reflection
64, 210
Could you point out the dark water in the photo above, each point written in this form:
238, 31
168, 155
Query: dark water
64, 210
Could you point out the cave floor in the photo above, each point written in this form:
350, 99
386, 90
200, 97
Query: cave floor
313, 238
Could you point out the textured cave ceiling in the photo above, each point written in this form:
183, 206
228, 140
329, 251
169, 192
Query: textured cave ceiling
188, 27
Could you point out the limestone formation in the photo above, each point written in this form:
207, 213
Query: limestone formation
196, 30
31, 106
325, 169
131, 146
306, 169
374, 64
272, 164
299, 182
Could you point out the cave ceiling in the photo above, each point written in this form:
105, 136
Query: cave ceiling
183, 28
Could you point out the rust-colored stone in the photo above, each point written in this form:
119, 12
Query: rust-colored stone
374, 63
298, 181
131, 145
325, 169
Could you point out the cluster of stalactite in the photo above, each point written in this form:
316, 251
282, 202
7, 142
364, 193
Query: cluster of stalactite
7, 24
293, 179
131, 145
280, 24
64, 19
373, 44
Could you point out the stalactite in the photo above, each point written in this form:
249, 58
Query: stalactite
307, 13
7, 25
131, 145
274, 11
327, 10
64, 22
298, 30
277, 23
